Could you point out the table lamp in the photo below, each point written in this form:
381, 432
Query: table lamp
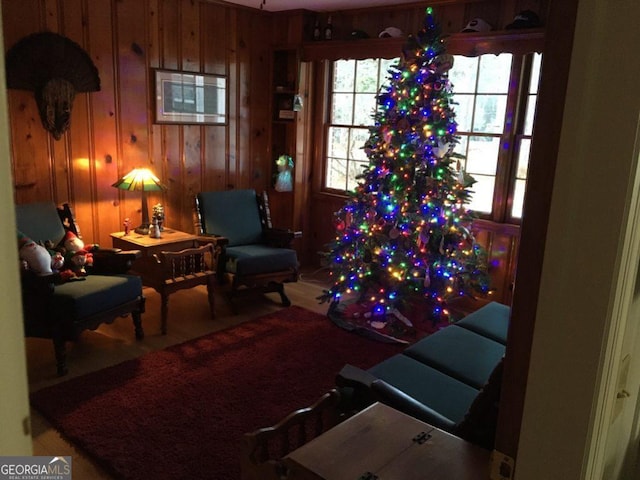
142, 180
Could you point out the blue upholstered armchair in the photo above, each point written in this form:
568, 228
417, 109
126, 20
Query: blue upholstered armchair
256, 255
60, 308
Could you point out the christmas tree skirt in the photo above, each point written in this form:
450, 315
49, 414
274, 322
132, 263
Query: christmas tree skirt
397, 327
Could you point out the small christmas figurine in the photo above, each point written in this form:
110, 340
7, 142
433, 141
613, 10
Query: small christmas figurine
154, 229
158, 215
127, 225
284, 178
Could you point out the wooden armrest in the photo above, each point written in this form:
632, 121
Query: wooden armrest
280, 237
216, 240
351, 376
113, 261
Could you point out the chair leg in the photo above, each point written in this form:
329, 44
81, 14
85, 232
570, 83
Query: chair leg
283, 296
137, 324
164, 312
60, 350
210, 294
231, 294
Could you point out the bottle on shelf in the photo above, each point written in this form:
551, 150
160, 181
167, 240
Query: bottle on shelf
328, 29
316, 30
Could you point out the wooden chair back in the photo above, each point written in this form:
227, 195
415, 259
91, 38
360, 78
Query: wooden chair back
263, 450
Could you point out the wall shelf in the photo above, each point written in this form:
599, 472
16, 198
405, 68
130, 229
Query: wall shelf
469, 44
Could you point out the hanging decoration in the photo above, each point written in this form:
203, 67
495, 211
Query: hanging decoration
55, 68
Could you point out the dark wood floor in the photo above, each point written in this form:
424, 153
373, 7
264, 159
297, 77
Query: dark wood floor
115, 343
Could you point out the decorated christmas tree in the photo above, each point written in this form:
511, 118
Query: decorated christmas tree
403, 239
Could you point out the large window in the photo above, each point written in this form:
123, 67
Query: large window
495, 99
354, 86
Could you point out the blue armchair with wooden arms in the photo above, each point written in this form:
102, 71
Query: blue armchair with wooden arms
59, 308
253, 253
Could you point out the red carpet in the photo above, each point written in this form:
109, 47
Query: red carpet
180, 413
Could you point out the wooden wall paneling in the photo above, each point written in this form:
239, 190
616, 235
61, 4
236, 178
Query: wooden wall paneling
79, 137
170, 154
31, 160
302, 169
258, 102
105, 145
50, 13
245, 168
53, 18
170, 34
215, 45
408, 21
279, 29
452, 18
190, 36
172, 160
154, 53
489, 11
233, 82
499, 266
132, 86
299, 27
190, 53
192, 173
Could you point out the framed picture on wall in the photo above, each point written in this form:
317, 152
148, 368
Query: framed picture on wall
190, 98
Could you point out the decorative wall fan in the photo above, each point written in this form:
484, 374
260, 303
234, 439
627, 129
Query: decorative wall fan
55, 68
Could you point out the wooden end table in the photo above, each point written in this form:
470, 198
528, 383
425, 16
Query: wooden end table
170, 241
146, 265
154, 274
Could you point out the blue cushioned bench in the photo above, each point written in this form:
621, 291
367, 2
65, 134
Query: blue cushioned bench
438, 378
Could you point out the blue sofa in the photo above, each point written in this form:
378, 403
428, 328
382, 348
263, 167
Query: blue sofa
449, 379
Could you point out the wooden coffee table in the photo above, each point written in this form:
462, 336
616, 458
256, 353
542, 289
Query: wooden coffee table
383, 443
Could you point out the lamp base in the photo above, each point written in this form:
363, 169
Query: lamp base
142, 230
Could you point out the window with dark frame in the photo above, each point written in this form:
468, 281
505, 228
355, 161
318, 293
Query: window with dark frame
496, 98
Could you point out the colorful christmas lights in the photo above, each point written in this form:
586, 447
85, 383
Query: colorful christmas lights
404, 234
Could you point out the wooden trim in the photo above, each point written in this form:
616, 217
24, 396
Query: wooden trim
456, 44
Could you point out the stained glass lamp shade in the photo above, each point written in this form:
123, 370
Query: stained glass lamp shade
141, 180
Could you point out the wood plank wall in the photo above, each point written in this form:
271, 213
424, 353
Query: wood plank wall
113, 130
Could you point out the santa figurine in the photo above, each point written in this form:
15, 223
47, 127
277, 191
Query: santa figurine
72, 243
81, 260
